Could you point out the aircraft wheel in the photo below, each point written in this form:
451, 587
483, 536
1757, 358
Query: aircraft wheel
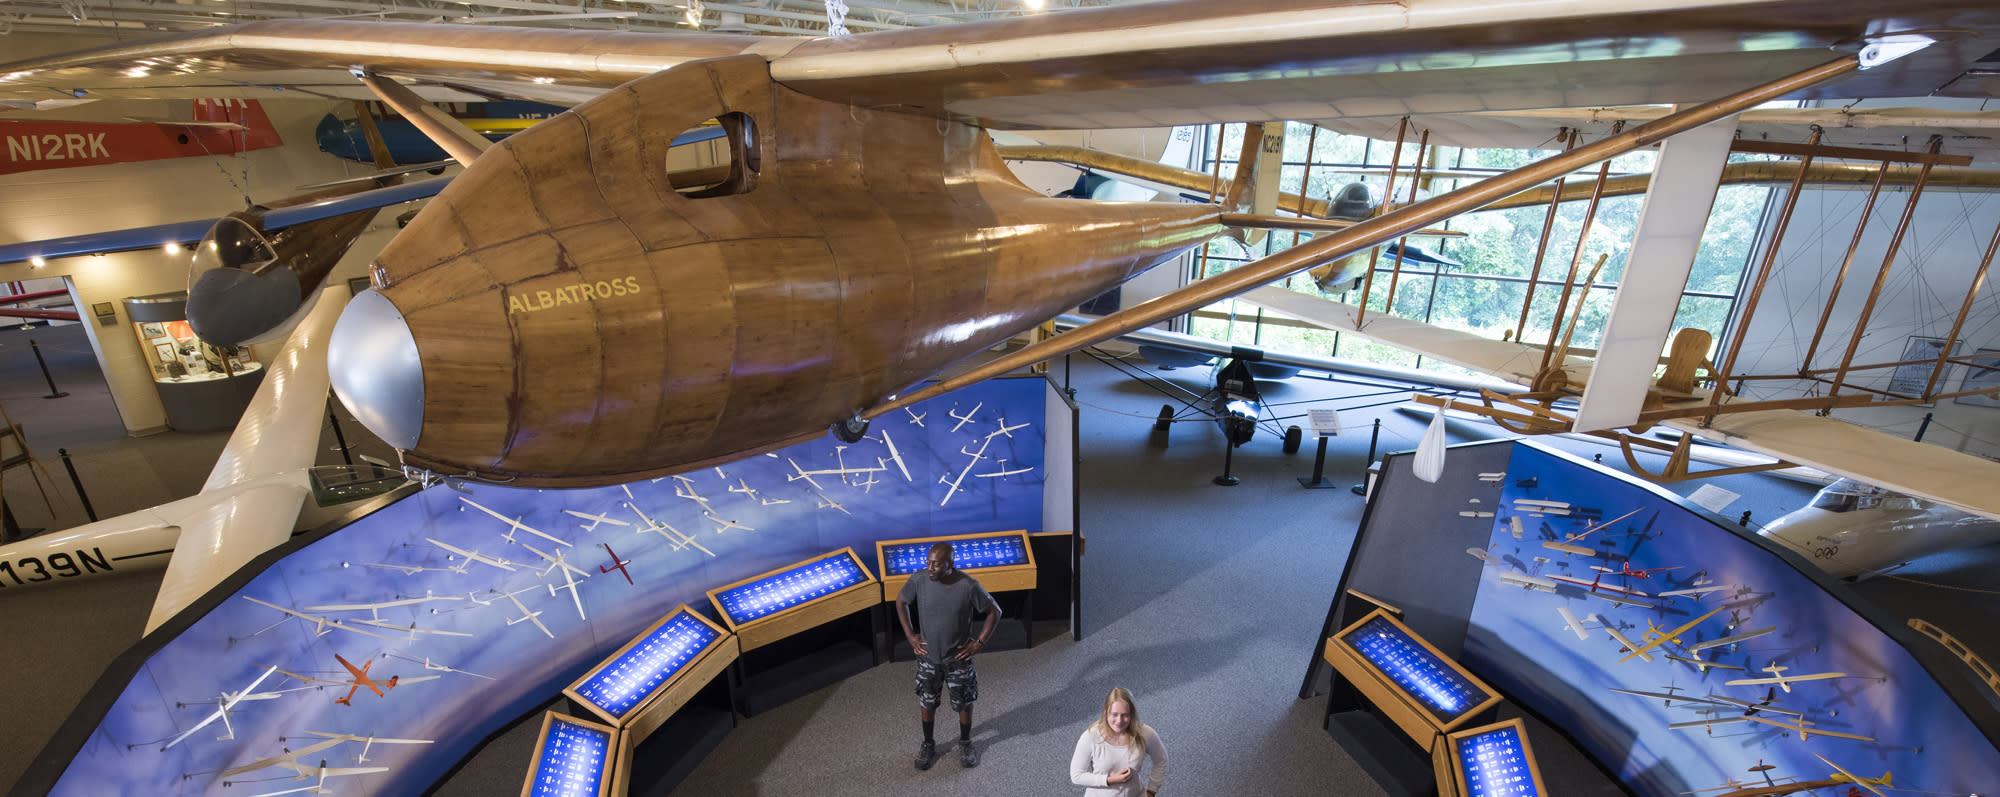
1293, 436
1166, 419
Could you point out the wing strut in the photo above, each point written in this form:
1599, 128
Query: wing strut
451, 135
1377, 230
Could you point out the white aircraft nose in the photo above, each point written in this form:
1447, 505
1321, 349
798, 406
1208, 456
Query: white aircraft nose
373, 362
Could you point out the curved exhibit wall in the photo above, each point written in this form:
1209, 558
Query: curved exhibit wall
464, 635
1519, 639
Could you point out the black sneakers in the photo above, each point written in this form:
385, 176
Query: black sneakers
967, 757
927, 754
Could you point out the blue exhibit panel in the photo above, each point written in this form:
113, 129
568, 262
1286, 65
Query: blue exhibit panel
573, 761
1424, 675
1495, 763
971, 553
622, 683
497, 640
794, 586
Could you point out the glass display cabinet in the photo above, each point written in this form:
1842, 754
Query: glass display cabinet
203, 388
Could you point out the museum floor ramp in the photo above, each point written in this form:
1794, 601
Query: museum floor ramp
1204, 600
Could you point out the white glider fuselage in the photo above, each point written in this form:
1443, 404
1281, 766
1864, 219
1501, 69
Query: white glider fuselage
1851, 529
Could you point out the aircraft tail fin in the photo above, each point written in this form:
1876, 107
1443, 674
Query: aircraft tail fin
1255, 187
392, 682
344, 701
257, 132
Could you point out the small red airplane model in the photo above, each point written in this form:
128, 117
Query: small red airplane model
1626, 569
361, 679
616, 564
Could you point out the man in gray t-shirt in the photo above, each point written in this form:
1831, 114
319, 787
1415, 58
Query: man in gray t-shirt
946, 600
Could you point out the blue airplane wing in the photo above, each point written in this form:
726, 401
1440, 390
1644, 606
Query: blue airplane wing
191, 231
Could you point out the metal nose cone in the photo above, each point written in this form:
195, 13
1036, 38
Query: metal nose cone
373, 362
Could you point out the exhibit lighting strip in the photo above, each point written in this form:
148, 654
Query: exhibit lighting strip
1418, 671
968, 554
1496, 764
622, 682
573, 760
783, 590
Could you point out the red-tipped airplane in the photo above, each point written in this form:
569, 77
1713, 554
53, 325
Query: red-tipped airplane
361, 679
616, 564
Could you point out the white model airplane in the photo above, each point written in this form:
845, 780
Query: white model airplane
595, 520
472, 556
966, 418
322, 772
894, 456
289, 760
224, 705
1570, 622
1783, 681
514, 524
527, 616
321, 623
672, 535
722, 524
429, 665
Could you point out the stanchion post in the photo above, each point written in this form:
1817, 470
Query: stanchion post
78, 483
1373, 436
53, 392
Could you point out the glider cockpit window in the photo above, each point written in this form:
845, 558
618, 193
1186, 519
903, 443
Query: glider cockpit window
233, 244
718, 157
1847, 495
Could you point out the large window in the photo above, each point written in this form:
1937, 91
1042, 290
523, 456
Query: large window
1482, 288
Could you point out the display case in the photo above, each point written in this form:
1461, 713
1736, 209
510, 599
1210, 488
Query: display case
1414, 685
770, 606
649, 678
1488, 761
203, 388
573, 758
1002, 560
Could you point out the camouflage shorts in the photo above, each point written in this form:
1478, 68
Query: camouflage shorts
957, 677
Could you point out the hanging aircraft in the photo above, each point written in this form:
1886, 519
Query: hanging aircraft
218, 127
858, 234
558, 252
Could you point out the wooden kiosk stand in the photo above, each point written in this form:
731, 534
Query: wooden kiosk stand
1002, 561
663, 680
656, 673
1488, 761
572, 757
1414, 685
799, 615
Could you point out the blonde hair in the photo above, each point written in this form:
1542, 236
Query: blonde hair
1103, 724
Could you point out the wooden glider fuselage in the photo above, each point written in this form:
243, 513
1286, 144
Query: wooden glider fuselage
580, 322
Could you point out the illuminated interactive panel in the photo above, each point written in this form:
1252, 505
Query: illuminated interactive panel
572, 758
1416, 686
770, 606
1489, 761
656, 673
1001, 560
